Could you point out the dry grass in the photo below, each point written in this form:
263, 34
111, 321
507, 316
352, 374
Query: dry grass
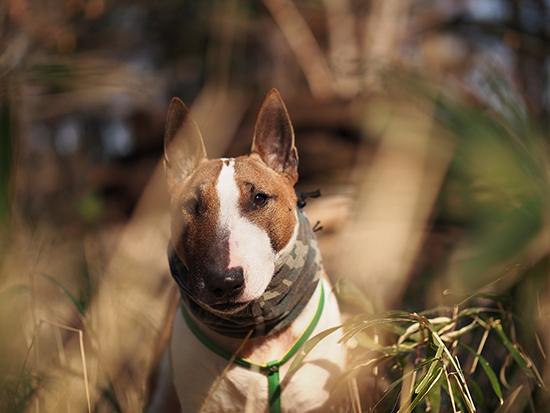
445, 206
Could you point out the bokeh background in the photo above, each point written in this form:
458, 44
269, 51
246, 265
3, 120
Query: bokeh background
424, 122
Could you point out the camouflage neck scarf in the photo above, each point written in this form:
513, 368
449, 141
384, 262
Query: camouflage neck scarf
286, 296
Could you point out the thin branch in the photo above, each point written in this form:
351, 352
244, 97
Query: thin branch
305, 47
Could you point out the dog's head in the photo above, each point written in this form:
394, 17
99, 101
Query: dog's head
233, 221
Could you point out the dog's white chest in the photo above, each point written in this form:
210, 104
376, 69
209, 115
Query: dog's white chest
196, 369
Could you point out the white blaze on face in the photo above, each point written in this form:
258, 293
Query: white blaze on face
249, 245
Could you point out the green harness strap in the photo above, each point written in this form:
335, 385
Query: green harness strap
272, 368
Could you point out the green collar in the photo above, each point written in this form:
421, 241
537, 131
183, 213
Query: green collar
271, 368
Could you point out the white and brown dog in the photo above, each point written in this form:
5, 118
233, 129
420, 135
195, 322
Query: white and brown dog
250, 274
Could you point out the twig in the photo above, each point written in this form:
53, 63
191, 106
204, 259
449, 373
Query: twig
450, 388
479, 349
305, 47
354, 395
82, 356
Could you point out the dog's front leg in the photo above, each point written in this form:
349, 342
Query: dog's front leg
164, 398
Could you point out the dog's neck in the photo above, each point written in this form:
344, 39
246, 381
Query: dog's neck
287, 294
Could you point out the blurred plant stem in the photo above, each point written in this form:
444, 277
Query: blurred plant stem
6, 148
384, 33
304, 45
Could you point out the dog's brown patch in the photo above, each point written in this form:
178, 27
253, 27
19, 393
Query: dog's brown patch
276, 216
194, 210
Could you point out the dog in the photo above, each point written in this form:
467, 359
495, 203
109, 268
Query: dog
252, 284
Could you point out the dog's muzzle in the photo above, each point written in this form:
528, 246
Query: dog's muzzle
289, 291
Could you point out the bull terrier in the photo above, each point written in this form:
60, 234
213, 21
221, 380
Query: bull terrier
248, 267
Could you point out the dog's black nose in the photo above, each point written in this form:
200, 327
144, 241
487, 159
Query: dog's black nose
227, 284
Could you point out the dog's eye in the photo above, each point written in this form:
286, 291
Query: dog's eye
192, 206
260, 199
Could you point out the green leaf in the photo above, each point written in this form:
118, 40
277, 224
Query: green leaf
432, 380
518, 356
75, 301
479, 396
434, 396
427, 377
308, 346
488, 371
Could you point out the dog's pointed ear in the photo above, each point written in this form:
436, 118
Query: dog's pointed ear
183, 145
274, 136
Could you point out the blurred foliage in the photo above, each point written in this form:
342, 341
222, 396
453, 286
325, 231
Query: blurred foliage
429, 356
17, 395
498, 183
6, 152
84, 87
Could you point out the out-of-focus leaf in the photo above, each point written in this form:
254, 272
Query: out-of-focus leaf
57, 76
13, 291
387, 317
479, 396
75, 301
366, 341
5, 156
504, 239
475, 311
349, 292
505, 408
90, 207
354, 370
499, 176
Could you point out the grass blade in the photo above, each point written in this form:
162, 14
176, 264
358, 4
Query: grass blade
308, 346
434, 395
432, 379
75, 301
523, 361
429, 374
